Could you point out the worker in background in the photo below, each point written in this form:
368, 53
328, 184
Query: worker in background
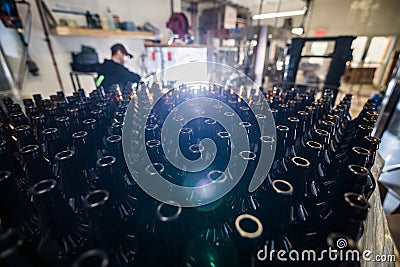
113, 71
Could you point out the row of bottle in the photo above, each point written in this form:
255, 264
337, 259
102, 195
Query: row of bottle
85, 181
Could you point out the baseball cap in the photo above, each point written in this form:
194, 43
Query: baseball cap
121, 48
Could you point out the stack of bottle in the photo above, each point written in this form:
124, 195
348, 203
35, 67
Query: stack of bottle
68, 197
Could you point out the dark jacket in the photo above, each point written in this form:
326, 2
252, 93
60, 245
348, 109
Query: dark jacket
115, 73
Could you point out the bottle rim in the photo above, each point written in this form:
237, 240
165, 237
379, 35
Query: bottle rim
300, 161
356, 201
100, 257
4, 175
29, 149
172, 217
105, 161
96, 198
44, 187
157, 168
63, 155
221, 174
282, 187
245, 233
79, 135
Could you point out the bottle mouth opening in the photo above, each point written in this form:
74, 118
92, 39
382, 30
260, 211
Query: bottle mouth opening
229, 114
89, 121
359, 170
62, 118
186, 130
29, 149
314, 144
302, 113
196, 148
38, 117
360, 151
217, 176
301, 162
79, 134
49, 131
96, 111
224, 134
261, 116
247, 155
117, 124
210, 122
154, 168
151, 127
267, 139
22, 128
373, 139
328, 123
178, 118
153, 143
44, 186
4, 175
169, 211
282, 187
2, 142
321, 132
16, 114
63, 155
293, 119
245, 124
92, 257
218, 106
282, 128
106, 161
114, 138
248, 226
365, 127
149, 116
356, 200
96, 198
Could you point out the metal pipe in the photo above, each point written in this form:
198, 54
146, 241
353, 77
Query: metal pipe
48, 41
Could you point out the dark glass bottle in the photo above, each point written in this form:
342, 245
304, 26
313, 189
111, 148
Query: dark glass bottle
65, 129
64, 235
109, 178
36, 166
350, 213
9, 162
93, 258
17, 119
275, 218
279, 166
38, 125
24, 136
114, 148
85, 152
298, 171
15, 250
52, 143
162, 228
108, 230
73, 181
51, 114
16, 210
292, 123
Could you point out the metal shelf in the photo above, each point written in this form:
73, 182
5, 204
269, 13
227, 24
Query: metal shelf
84, 32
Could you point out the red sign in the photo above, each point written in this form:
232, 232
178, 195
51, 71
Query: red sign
320, 32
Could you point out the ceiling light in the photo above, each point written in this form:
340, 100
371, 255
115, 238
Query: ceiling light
298, 30
280, 14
